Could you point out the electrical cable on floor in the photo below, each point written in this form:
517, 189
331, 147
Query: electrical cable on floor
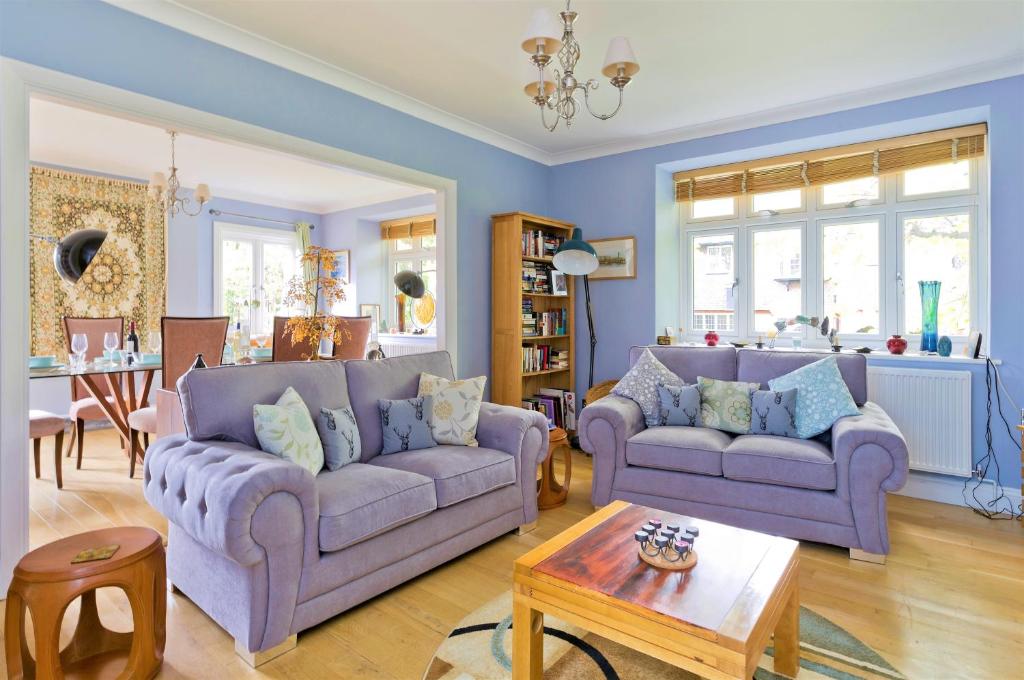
1000, 507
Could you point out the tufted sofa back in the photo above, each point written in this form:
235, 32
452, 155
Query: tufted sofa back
760, 366
690, 362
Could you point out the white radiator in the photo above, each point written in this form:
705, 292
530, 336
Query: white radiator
932, 410
401, 349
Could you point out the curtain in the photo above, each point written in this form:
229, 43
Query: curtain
302, 239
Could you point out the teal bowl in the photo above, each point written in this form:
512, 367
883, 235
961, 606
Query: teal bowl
42, 361
262, 352
151, 358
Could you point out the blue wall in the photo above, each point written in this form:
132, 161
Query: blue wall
103, 43
630, 193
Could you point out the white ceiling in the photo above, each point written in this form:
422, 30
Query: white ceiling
77, 138
702, 63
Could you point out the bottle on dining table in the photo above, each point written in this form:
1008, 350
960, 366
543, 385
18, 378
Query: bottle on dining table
131, 345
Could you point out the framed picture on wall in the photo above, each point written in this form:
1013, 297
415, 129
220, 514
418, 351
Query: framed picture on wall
342, 266
616, 257
372, 311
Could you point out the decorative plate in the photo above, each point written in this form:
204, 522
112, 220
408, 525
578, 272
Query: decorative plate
424, 310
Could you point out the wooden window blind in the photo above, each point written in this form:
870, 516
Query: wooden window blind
407, 227
836, 164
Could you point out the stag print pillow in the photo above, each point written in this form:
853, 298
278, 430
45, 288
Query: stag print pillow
773, 412
406, 424
679, 405
456, 410
340, 436
286, 430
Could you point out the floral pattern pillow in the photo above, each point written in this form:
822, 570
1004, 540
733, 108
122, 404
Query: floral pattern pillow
286, 430
822, 396
456, 408
725, 405
641, 385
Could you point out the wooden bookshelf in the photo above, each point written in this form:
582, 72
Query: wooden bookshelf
510, 384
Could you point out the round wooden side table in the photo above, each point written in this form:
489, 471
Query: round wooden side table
46, 582
551, 494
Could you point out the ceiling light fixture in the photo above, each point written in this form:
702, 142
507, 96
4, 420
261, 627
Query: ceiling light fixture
545, 38
164, 190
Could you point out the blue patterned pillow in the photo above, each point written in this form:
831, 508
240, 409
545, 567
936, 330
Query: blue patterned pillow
406, 424
773, 412
340, 436
822, 396
679, 405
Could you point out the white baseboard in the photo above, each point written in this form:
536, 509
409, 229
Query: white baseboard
944, 489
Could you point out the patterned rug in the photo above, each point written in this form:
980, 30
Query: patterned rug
480, 648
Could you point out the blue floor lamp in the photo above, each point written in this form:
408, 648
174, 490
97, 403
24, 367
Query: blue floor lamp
576, 257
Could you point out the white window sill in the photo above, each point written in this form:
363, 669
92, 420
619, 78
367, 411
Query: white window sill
875, 355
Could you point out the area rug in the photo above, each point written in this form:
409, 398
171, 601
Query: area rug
480, 648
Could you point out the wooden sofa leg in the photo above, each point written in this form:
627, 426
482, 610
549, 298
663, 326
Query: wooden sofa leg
526, 528
257, 659
864, 556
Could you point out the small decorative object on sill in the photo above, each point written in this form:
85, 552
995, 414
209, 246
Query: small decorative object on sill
833, 338
316, 282
973, 347
929, 314
739, 345
375, 353
711, 338
664, 339
667, 548
945, 346
760, 342
897, 344
862, 350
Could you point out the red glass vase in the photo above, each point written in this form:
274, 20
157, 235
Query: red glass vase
711, 338
896, 344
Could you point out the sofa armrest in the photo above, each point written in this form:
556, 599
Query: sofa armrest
519, 433
213, 491
604, 428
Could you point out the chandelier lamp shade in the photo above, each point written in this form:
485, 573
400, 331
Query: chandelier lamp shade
165, 190
547, 37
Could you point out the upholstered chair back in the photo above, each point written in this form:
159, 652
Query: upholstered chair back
185, 337
94, 329
350, 343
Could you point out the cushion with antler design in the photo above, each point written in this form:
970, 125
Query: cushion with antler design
773, 412
339, 435
406, 424
679, 405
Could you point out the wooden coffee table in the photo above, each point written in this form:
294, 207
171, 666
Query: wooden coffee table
714, 620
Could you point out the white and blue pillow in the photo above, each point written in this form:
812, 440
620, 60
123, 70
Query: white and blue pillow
773, 412
406, 424
641, 385
822, 396
339, 435
679, 405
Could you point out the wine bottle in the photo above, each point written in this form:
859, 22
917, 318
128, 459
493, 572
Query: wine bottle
131, 344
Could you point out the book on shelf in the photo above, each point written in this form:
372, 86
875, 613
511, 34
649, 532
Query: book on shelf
537, 243
557, 405
536, 358
537, 277
554, 322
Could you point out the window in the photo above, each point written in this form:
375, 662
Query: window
713, 208
851, 250
418, 254
252, 269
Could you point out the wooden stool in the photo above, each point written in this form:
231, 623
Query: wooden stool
44, 424
551, 494
46, 582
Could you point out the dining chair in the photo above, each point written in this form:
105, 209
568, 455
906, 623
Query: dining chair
181, 338
350, 346
85, 408
45, 424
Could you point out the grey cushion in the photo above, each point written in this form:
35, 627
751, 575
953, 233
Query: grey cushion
339, 435
678, 405
803, 463
687, 449
459, 472
360, 501
405, 424
641, 385
773, 412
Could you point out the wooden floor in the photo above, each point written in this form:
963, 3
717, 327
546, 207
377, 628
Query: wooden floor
949, 603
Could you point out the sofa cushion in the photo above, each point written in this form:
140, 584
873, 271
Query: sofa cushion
773, 412
676, 447
678, 405
405, 424
459, 472
725, 404
286, 429
641, 385
360, 501
754, 365
822, 396
803, 463
456, 409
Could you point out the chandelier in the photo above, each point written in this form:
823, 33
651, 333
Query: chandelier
544, 38
164, 190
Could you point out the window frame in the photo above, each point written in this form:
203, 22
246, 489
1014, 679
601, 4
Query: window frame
820, 224
392, 256
752, 231
972, 185
821, 205
737, 208
756, 214
687, 277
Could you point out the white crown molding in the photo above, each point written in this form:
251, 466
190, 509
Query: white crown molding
209, 28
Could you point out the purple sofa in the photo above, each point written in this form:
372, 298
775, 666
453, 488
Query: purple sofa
806, 489
267, 550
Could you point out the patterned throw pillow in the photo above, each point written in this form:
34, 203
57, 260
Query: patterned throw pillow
340, 436
456, 408
679, 405
774, 413
725, 405
822, 397
406, 424
286, 429
641, 385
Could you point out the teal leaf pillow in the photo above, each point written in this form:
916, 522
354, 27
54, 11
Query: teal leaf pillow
286, 429
725, 405
822, 396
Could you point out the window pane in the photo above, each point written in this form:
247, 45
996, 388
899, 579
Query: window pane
714, 301
403, 244
237, 279
428, 241
937, 178
938, 248
778, 200
713, 207
280, 265
841, 193
776, 276
850, 260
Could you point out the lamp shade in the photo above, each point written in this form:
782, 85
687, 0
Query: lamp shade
620, 53
576, 256
73, 254
410, 283
544, 31
202, 194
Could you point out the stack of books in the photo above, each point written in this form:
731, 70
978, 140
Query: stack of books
543, 323
538, 244
560, 358
559, 406
536, 277
536, 358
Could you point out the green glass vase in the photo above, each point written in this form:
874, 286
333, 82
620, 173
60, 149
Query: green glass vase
929, 314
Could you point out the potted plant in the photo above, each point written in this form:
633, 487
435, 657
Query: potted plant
316, 284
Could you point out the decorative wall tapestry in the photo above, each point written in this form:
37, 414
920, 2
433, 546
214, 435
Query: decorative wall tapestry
128, 276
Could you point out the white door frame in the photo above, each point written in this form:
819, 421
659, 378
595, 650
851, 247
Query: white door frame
19, 81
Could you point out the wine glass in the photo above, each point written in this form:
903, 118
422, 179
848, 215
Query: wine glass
110, 343
155, 341
79, 345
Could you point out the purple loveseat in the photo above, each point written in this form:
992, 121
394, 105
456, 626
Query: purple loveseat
267, 550
830, 492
